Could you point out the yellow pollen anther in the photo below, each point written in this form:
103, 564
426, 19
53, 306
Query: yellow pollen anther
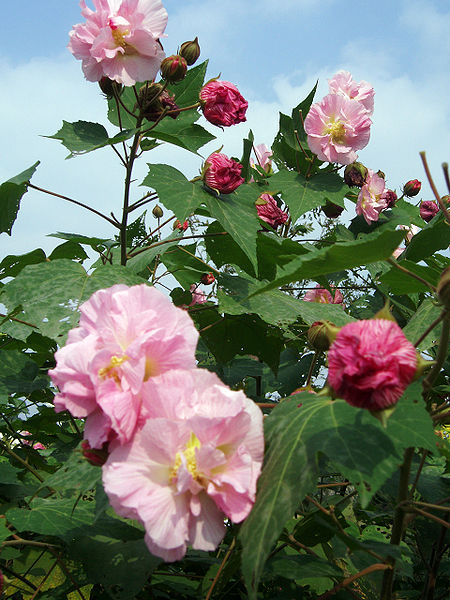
191, 462
118, 36
337, 131
110, 370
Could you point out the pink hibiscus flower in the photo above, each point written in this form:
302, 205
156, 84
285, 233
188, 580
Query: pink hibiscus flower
322, 295
371, 363
125, 336
372, 199
120, 40
194, 463
269, 211
342, 83
336, 127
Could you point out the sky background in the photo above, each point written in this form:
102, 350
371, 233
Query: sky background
273, 52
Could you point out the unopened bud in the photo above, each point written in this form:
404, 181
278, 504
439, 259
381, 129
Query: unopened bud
355, 174
157, 211
428, 210
391, 198
331, 210
207, 278
173, 68
443, 288
381, 174
181, 226
412, 188
322, 334
96, 457
153, 100
109, 87
190, 51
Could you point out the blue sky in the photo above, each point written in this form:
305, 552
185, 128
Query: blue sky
273, 51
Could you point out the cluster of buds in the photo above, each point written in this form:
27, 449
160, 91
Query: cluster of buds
154, 101
174, 68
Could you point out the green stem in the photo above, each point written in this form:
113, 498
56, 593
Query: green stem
441, 355
126, 197
397, 525
433, 187
21, 461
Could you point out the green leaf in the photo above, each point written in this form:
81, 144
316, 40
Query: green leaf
175, 191
237, 214
51, 516
82, 137
187, 91
434, 236
236, 296
70, 250
11, 192
302, 195
247, 150
274, 251
301, 427
140, 262
19, 375
374, 246
302, 567
75, 474
50, 293
223, 250
184, 265
427, 312
8, 474
97, 244
182, 132
12, 264
402, 283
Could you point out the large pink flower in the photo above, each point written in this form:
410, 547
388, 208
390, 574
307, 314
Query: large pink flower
336, 127
322, 295
125, 336
120, 40
222, 173
371, 363
269, 211
371, 198
342, 83
194, 463
222, 103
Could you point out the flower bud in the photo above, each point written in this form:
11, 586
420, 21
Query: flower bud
428, 210
381, 174
390, 197
331, 210
181, 226
412, 188
190, 51
96, 457
173, 68
108, 87
207, 278
322, 334
153, 100
157, 211
443, 288
355, 175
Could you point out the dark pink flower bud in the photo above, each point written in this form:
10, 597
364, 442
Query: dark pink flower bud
371, 363
153, 100
110, 87
412, 188
96, 457
190, 51
222, 173
428, 210
222, 103
174, 68
391, 198
207, 278
331, 210
355, 174
269, 211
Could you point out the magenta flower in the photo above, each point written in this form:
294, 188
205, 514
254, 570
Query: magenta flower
342, 83
371, 363
222, 173
222, 103
120, 40
372, 197
194, 463
428, 209
125, 336
336, 127
322, 295
269, 211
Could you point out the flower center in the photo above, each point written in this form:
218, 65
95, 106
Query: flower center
189, 459
111, 369
336, 130
119, 35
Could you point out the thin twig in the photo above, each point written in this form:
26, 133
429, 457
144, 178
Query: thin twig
44, 580
222, 565
433, 187
346, 582
186, 237
21, 461
18, 321
430, 328
395, 264
446, 177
